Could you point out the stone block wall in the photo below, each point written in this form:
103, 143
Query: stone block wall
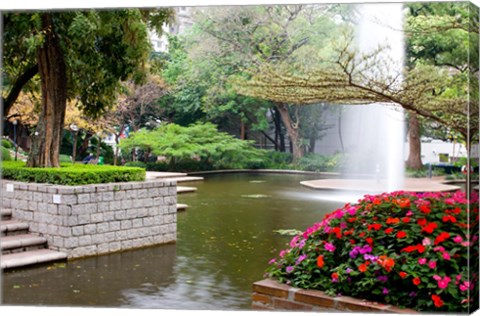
271, 295
96, 219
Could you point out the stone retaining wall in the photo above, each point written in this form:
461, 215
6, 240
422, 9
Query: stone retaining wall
271, 295
96, 219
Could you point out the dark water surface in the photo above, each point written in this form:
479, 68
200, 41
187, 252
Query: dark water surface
225, 239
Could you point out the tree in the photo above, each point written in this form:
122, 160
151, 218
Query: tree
241, 38
348, 78
81, 54
436, 34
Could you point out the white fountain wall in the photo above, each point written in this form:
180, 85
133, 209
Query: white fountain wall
374, 134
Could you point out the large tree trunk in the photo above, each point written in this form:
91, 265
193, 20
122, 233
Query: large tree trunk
278, 130
51, 65
292, 130
414, 160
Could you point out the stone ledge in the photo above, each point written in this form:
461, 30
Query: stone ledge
272, 295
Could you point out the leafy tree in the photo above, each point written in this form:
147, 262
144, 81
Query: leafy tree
443, 35
80, 54
200, 142
350, 78
228, 41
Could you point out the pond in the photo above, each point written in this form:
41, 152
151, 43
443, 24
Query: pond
225, 239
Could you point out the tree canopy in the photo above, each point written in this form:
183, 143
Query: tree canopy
83, 55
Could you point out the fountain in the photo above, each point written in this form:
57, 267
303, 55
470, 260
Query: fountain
375, 133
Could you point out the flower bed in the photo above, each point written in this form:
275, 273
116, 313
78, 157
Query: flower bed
410, 250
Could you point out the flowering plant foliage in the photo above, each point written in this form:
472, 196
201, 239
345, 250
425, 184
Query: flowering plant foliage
415, 250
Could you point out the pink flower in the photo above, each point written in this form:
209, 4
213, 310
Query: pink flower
439, 248
426, 241
432, 264
282, 253
446, 256
442, 282
422, 261
330, 247
464, 287
409, 213
458, 239
272, 261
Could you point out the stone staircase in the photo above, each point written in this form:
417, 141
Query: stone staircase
21, 248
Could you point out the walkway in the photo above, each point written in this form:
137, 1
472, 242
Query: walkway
378, 186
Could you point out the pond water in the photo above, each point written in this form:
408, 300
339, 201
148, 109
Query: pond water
225, 239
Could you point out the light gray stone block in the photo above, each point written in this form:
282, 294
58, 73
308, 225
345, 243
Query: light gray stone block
84, 240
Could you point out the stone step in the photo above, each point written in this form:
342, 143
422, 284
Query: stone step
186, 179
151, 175
25, 242
182, 189
6, 214
12, 227
21, 259
181, 207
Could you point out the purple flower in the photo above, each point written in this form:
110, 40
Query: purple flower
289, 269
382, 278
300, 259
348, 270
354, 253
412, 294
366, 249
385, 291
370, 257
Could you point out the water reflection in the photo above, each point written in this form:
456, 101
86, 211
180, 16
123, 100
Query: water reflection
224, 244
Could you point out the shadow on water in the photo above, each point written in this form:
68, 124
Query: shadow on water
225, 239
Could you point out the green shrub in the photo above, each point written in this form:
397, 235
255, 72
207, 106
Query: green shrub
65, 159
5, 154
7, 144
319, 163
70, 174
137, 164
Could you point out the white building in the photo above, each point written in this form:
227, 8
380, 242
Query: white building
183, 20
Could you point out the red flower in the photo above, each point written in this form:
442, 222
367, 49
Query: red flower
403, 203
457, 211
334, 275
392, 220
362, 234
403, 275
409, 249
420, 248
377, 201
416, 281
406, 219
449, 218
422, 221
425, 209
351, 219
374, 226
389, 230
337, 231
441, 238
369, 240
362, 267
437, 300
386, 263
352, 241
401, 234
429, 228
320, 262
